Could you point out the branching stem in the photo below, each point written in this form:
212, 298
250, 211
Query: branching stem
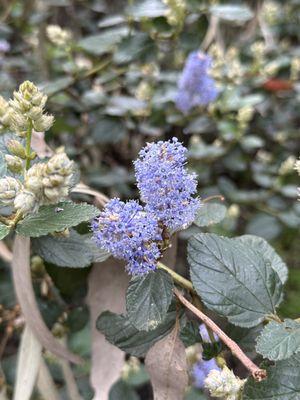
185, 283
257, 373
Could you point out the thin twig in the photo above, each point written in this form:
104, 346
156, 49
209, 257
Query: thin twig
216, 196
257, 373
185, 283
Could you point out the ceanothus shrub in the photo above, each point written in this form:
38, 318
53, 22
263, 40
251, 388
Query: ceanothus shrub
240, 278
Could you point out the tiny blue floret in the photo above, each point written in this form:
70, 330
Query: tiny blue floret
200, 371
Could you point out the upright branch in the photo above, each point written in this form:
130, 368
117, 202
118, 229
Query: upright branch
257, 373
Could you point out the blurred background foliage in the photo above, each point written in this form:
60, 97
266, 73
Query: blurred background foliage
111, 86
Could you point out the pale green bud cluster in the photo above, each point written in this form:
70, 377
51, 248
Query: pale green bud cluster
131, 366
287, 166
176, 12
4, 113
271, 11
244, 116
226, 65
224, 384
26, 110
58, 36
295, 68
14, 163
144, 91
297, 166
9, 188
50, 182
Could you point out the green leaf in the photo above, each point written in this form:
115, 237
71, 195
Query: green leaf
232, 279
195, 394
4, 230
103, 42
3, 165
282, 383
70, 252
108, 130
56, 218
120, 332
232, 12
57, 85
279, 341
210, 213
148, 299
134, 47
122, 391
98, 254
147, 9
189, 334
267, 252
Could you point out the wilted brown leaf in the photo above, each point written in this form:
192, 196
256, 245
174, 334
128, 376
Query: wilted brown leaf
25, 294
108, 282
167, 367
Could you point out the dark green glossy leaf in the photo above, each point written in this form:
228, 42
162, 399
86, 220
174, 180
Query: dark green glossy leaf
282, 383
4, 230
279, 341
189, 334
56, 218
70, 252
261, 246
232, 279
148, 299
103, 42
119, 331
108, 130
134, 47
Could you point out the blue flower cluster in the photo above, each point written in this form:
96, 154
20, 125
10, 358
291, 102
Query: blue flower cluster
200, 371
135, 233
165, 185
196, 87
205, 336
129, 233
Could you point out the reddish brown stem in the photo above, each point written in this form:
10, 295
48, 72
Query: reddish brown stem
217, 196
257, 373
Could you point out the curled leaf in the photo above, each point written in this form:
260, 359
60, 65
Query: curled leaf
167, 367
25, 295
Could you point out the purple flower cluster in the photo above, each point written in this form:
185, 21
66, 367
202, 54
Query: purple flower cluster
195, 86
204, 334
200, 371
129, 233
4, 46
165, 185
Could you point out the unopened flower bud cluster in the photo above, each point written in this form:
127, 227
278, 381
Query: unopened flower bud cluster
176, 12
43, 183
25, 111
58, 36
226, 65
224, 384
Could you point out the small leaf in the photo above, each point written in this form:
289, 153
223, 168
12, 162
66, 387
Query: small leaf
147, 9
189, 334
103, 42
279, 341
232, 12
119, 331
56, 218
210, 213
65, 252
4, 230
98, 254
57, 85
267, 252
148, 299
282, 383
167, 366
138, 46
232, 279
108, 130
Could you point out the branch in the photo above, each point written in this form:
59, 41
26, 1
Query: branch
185, 283
257, 373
